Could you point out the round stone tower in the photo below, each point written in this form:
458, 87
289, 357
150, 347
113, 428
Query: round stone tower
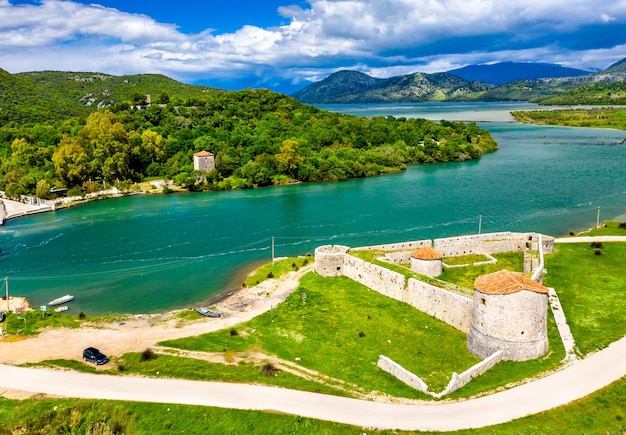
329, 260
510, 314
427, 261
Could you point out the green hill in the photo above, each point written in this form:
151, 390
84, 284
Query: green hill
54, 95
355, 87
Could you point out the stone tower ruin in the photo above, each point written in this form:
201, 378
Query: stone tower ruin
509, 314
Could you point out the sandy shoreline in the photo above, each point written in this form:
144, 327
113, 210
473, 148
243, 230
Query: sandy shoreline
135, 333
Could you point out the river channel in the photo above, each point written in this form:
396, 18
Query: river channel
146, 254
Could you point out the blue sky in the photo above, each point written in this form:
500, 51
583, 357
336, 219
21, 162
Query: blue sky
285, 45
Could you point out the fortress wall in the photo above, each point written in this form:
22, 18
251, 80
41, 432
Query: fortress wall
402, 374
490, 243
452, 308
404, 246
398, 257
380, 279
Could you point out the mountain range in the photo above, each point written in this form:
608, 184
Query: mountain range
527, 82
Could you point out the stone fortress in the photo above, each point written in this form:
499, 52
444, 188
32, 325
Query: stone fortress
505, 319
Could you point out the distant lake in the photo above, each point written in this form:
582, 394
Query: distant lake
146, 254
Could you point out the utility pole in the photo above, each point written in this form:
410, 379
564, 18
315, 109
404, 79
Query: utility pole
272, 251
598, 220
480, 223
6, 287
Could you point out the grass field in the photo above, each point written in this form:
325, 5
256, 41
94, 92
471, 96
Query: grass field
591, 290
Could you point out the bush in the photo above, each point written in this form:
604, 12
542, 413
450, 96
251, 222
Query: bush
598, 252
622, 226
270, 275
269, 370
82, 315
597, 245
361, 334
233, 333
147, 355
75, 191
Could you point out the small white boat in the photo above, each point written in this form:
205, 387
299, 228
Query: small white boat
61, 300
61, 309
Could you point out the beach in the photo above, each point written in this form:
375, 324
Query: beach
135, 333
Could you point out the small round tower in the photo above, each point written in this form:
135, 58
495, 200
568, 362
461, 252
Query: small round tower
427, 261
329, 260
510, 314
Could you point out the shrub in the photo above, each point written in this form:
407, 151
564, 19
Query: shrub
270, 275
597, 245
622, 226
598, 252
233, 332
147, 355
361, 334
269, 370
82, 315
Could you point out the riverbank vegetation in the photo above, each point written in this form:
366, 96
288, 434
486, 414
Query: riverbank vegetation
604, 117
258, 138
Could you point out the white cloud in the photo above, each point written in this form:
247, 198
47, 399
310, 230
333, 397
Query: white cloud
380, 37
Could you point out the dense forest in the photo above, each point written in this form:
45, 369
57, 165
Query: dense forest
259, 138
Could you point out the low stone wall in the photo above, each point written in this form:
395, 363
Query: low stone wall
476, 370
402, 374
450, 307
380, 279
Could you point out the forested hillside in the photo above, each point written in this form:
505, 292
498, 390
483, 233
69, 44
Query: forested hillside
55, 95
259, 138
595, 93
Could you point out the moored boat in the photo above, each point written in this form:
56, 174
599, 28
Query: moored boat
61, 309
61, 300
208, 313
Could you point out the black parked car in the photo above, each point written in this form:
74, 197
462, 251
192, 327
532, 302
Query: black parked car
93, 355
2, 316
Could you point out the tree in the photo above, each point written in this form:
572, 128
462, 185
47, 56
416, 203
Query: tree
153, 144
288, 158
70, 162
43, 189
108, 146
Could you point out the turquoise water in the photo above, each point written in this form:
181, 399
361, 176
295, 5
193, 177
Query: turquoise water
151, 253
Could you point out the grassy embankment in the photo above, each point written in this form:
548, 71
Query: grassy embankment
598, 309
596, 118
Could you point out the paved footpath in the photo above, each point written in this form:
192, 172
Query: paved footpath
590, 239
574, 382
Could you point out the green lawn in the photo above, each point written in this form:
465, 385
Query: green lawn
592, 290
341, 328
